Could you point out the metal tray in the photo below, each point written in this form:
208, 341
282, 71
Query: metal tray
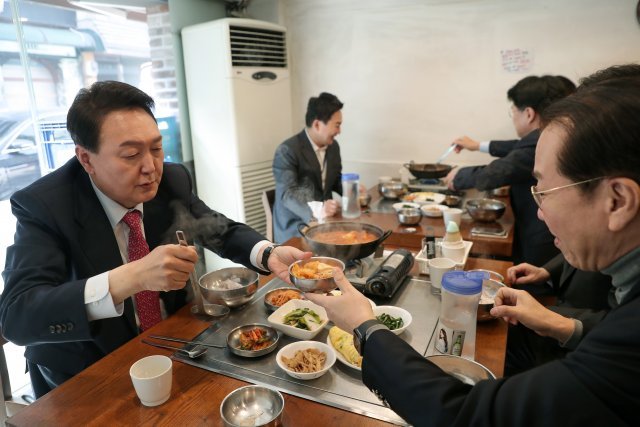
342, 386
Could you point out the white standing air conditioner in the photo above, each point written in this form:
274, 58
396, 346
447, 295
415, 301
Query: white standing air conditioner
239, 98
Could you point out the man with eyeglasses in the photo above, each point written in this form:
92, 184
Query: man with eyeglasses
596, 223
530, 96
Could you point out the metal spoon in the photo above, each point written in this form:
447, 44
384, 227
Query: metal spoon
192, 354
446, 153
200, 307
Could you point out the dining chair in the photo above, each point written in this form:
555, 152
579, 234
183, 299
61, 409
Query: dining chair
7, 408
268, 199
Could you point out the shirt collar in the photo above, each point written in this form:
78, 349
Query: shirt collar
315, 147
624, 274
114, 210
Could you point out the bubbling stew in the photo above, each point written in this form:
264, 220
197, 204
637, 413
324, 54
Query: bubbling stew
343, 237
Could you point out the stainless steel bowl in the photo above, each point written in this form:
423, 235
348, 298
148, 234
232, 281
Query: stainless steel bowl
252, 405
364, 199
490, 288
393, 189
316, 285
409, 216
451, 200
485, 210
233, 340
467, 371
268, 295
213, 290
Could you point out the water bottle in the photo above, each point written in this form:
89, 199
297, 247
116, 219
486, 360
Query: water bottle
456, 330
350, 192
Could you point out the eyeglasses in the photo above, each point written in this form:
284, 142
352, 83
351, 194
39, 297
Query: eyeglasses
537, 195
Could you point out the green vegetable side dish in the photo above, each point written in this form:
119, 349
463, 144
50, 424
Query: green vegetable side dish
297, 318
390, 321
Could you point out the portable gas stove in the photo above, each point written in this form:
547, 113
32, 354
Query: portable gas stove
433, 185
380, 274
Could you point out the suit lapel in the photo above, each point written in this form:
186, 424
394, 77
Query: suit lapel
310, 158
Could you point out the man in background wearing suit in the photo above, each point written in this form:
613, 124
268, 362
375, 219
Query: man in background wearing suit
91, 264
532, 241
308, 167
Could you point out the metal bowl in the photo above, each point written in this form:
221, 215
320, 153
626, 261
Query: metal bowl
409, 216
213, 291
467, 371
272, 292
393, 189
485, 210
490, 288
252, 405
233, 340
316, 285
451, 200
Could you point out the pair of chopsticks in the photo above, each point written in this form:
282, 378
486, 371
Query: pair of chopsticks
180, 340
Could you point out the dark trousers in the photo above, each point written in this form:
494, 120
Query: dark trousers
43, 379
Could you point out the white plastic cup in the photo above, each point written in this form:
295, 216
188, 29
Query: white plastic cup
151, 377
437, 267
453, 250
452, 214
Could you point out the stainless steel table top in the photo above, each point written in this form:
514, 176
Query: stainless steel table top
342, 386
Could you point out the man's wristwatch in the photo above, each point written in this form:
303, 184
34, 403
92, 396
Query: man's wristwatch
362, 333
266, 254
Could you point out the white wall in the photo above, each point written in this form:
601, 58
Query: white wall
415, 74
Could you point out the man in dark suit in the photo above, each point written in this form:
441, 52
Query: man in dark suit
530, 96
308, 167
588, 193
91, 262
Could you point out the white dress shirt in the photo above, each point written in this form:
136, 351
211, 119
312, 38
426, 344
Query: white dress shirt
321, 155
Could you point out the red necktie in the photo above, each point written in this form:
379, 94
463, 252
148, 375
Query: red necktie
147, 302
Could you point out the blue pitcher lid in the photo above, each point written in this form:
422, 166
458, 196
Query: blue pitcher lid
350, 176
464, 282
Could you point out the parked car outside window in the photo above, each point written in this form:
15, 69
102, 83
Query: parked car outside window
19, 164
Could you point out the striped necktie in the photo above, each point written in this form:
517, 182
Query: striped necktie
147, 302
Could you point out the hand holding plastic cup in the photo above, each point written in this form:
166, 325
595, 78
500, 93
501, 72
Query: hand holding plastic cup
151, 377
437, 267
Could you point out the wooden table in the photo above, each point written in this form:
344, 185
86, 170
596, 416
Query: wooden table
103, 394
496, 247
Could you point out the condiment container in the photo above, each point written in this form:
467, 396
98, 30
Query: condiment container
350, 193
456, 330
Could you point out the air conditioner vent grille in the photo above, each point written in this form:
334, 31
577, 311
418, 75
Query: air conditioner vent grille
257, 47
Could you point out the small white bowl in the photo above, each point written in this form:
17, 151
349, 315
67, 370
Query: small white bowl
401, 205
277, 319
433, 211
394, 311
290, 350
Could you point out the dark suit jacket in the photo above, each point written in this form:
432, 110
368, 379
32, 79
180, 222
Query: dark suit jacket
63, 237
298, 181
595, 385
533, 243
583, 295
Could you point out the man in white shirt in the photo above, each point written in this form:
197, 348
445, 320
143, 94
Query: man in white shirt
307, 167
94, 258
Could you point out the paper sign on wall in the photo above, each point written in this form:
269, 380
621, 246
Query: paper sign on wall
516, 60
